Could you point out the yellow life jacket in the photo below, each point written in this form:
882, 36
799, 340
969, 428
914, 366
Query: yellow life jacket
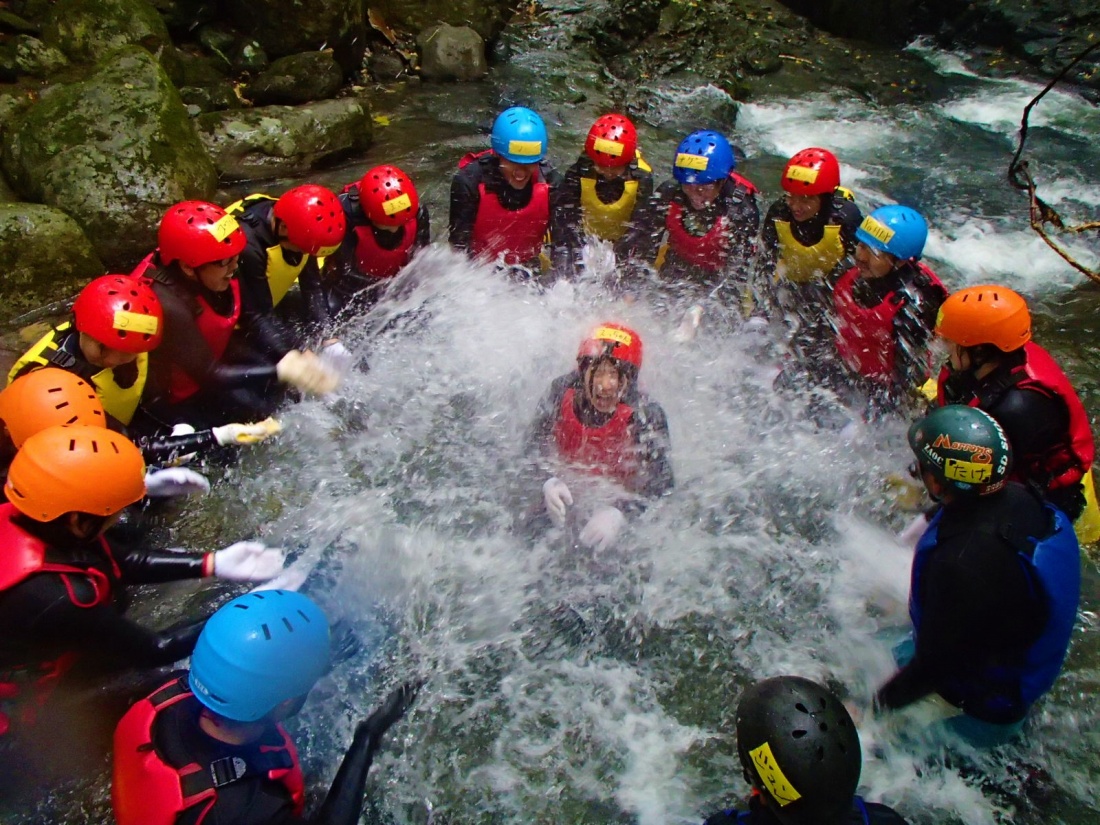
609, 220
281, 275
801, 264
119, 402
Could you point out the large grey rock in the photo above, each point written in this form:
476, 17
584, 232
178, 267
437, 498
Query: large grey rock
279, 141
451, 53
46, 256
285, 27
297, 78
113, 151
86, 30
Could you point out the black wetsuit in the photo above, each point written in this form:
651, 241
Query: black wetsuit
1035, 424
344, 282
978, 602
648, 427
568, 231
243, 391
756, 813
267, 331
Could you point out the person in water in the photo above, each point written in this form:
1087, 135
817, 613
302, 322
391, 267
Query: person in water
995, 583
501, 204
286, 240
800, 753
387, 225
806, 240
596, 421
993, 364
708, 218
190, 377
62, 584
602, 193
885, 306
209, 746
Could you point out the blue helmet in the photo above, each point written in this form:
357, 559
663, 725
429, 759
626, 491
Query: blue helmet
899, 230
258, 651
519, 135
703, 157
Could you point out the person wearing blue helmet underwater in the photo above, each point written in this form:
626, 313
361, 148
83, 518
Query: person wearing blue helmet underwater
995, 583
884, 311
501, 204
209, 746
708, 218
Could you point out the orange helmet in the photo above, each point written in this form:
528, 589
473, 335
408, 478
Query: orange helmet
47, 397
612, 341
985, 315
75, 469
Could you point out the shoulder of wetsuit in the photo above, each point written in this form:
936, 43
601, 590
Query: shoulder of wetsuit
255, 210
844, 211
550, 174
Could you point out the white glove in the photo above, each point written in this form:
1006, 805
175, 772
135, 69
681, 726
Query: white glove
913, 531
307, 372
557, 498
291, 578
183, 429
336, 357
248, 561
603, 528
246, 433
175, 481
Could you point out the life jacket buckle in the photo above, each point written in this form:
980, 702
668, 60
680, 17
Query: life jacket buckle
227, 770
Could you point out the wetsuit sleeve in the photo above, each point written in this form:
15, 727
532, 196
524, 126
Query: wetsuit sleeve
849, 217
763, 282
654, 446
423, 228
464, 203
566, 229
262, 328
315, 307
651, 222
632, 244
166, 449
539, 440
913, 327
158, 566
744, 215
1034, 423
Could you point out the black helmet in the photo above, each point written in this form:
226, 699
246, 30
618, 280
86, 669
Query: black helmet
964, 448
799, 746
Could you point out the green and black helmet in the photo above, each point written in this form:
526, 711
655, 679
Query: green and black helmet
799, 747
964, 448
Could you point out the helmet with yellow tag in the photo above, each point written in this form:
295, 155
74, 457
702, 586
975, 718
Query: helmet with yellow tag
897, 230
388, 197
612, 141
799, 747
812, 171
120, 312
703, 157
197, 233
611, 341
964, 448
519, 135
314, 218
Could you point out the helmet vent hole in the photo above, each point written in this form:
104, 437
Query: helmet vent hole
241, 606
820, 754
304, 616
289, 626
823, 727
798, 734
72, 444
95, 447
802, 707
72, 420
267, 632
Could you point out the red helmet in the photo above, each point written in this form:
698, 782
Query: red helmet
120, 312
612, 341
388, 196
314, 219
196, 233
612, 141
811, 172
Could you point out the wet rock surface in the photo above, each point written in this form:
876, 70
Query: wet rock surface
297, 78
86, 30
451, 53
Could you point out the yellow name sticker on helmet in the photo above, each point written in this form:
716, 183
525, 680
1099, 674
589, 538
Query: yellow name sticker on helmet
878, 231
696, 162
772, 775
609, 334
802, 173
397, 204
137, 322
608, 147
225, 227
968, 472
527, 148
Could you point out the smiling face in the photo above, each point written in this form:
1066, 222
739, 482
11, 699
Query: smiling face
803, 207
604, 385
517, 175
701, 195
217, 275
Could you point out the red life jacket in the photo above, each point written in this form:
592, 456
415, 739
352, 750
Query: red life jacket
24, 556
709, 252
1067, 463
518, 233
215, 330
865, 335
146, 790
607, 450
373, 260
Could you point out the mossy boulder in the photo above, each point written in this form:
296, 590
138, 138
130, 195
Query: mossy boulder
113, 151
486, 17
297, 78
85, 30
281, 141
285, 27
46, 256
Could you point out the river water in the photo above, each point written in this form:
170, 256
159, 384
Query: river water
569, 686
